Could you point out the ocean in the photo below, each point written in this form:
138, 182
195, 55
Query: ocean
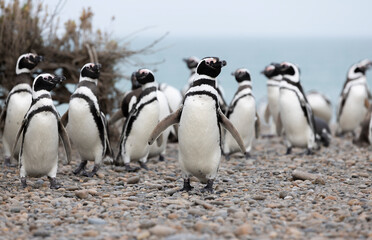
323, 62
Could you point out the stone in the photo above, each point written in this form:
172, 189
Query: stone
91, 233
82, 194
133, 180
244, 229
162, 231
96, 221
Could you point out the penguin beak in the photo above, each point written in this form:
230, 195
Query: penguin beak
39, 59
58, 79
97, 67
223, 63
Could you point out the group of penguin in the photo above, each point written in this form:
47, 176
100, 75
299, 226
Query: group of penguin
197, 117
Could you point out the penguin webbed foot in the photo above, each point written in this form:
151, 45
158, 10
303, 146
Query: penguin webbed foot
144, 165
128, 168
161, 158
208, 187
186, 185
309, 152
247, 155
7, 162
23, 182
289, 151
92, 173
80, 168
53, 183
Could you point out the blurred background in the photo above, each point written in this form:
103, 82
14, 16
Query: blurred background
324, 38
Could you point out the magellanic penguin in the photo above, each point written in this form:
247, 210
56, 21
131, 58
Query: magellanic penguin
365, 135
295, 113
17, 103
199, 133
354, 98
323, 135
143, 117
86, 123
242, 114
40, 131
272, 72
320, 104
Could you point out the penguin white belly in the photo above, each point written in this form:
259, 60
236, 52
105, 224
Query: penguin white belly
199, 138
354, 109
293, 119
83, 130
40, 146
174, 97
273, 99
17, 107
136, 145
243, 118
320, 107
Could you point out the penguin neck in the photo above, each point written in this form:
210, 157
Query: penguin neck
40, 94
23, 78
88, 79
149, 85
22, 70
192, 71
244, 85
204, 79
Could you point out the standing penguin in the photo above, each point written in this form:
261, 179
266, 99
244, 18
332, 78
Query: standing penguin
272, 72
353, 103
242, 114
365, 135
320, 104
17, 103
40, 132
192, 63
199, 133
86, 124
142, 118
295, 113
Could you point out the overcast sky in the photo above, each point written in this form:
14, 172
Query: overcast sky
327, 18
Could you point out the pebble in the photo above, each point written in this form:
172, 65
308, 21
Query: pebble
133, 180
82, 194
145, 224
162, 231
244, 229
42, 234
96, 221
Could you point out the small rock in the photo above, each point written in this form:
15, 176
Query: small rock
162, 231
353, 202
330, 198
41, 233
204, 204
96, 221
173, 216
283, 194
145, 224
143, 235
259, 197
243, 230
91, 233
15, 210
133, 180
82, 194
195, 212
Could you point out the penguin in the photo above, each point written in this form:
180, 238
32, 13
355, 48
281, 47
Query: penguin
354, 98
192, 63
199, 133
242, 114
295, 113
272, 72
85, 123
143, 117
17, 103
320, 104
40, 131
365, 135
323, 135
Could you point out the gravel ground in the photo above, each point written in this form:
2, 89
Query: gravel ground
252, 199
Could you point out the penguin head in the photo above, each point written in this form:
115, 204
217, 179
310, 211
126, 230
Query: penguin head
46, 81
191, 62
241, 75
210, 66
359, 69
135, 83
272, 71
290, 72
144, 76
27, 62
90, 71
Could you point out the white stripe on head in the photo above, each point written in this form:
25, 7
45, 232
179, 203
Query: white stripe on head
23, 70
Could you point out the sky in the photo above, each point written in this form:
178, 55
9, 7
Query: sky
264, 18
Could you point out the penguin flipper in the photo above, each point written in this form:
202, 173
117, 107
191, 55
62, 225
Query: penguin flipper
109, 152
2, 118
64, 118
19, 133
66, 140
164, 124
257, 125
267, 113
115, 117
230, 127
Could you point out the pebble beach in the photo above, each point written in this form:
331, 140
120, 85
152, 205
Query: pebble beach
271, 196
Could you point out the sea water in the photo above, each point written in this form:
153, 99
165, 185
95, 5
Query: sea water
323, 62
